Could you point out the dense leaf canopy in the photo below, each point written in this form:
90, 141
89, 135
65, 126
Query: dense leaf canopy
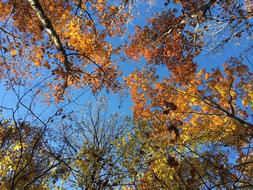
191, 124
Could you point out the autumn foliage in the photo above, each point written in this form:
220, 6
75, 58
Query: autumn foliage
191, 123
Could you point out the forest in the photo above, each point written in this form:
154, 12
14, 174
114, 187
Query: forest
126, 94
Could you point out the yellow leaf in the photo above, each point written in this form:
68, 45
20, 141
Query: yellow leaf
17, 147
13, 52
245, 102
37, 63
83, 6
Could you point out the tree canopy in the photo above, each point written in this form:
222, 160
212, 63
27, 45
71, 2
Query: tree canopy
185, 64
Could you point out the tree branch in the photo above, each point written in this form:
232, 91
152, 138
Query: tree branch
36, 6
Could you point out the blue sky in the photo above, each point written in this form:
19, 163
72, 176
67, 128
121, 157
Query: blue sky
122, 101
